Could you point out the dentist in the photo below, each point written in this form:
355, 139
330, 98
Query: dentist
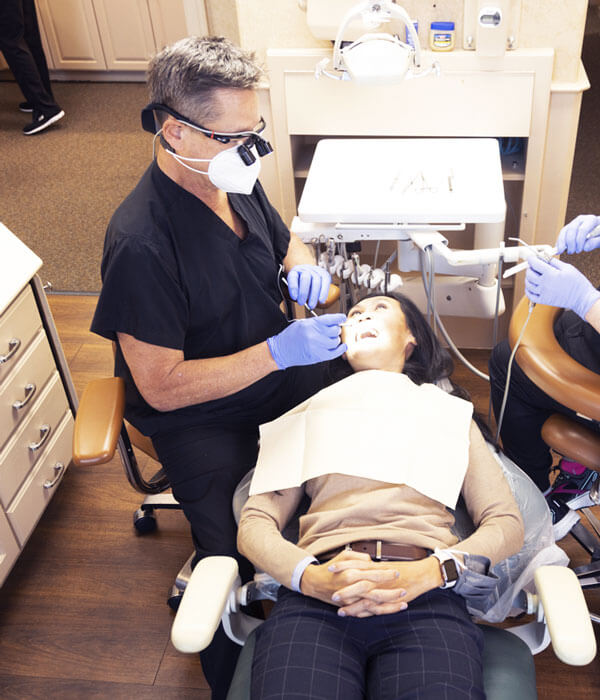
191, 294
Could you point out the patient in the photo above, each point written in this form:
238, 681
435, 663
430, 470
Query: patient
368, 608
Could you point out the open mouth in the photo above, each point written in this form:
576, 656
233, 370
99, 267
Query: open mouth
366, 333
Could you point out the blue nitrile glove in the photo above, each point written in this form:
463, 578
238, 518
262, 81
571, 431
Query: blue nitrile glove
557, 283
308, 341
572, 237
308, 284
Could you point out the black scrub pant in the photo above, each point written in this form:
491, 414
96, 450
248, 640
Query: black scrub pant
21, 45
527, 408
204, 469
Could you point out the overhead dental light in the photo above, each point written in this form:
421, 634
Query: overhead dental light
376, 57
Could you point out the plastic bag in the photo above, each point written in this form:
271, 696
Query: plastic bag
492, 595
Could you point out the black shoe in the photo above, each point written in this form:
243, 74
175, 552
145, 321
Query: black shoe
42, 121
563, 518
25, 107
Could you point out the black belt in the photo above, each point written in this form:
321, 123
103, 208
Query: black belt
380, 551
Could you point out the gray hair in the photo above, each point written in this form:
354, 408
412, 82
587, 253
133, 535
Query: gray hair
185, 75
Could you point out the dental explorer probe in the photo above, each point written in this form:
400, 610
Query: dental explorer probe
522, 266
306, 306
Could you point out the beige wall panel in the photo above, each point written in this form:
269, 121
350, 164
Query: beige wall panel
459, 104
558, 163
558, 24
222, 16
72, 33
126, 33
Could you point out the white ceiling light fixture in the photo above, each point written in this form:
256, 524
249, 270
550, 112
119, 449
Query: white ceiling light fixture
376, 57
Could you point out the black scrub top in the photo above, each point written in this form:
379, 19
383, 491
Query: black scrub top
175, 275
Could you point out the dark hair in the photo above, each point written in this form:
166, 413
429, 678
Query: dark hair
429, 362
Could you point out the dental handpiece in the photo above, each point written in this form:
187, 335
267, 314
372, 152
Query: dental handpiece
595, 233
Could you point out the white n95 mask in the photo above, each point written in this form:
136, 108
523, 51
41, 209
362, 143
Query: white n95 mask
226, 170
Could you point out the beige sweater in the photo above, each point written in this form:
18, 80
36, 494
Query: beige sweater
346, 509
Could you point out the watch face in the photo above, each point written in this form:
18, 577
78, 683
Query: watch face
450, 570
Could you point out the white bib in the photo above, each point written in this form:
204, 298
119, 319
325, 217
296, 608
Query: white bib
376, 425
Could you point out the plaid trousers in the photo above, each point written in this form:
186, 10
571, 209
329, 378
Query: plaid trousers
431, 651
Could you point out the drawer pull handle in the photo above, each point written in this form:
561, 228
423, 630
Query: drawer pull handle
45, 431
29, 393
59, 468
13, 345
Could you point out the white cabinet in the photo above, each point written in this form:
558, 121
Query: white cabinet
37, 401
72, 34
114, 35
126, 31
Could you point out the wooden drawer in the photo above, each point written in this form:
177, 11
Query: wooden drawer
26, 381
28, 443
33, 497
9, 548
18, 325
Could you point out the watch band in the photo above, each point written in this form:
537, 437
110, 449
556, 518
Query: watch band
448, 568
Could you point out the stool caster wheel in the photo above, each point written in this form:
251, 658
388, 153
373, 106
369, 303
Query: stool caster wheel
144, 521
174, 598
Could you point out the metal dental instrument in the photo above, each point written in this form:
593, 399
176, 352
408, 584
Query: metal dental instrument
306, 306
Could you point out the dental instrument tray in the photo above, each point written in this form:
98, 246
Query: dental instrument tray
404, 181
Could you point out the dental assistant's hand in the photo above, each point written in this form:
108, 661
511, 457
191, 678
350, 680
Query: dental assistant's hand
308, 284
557, 283
347, 578
572, 237
389, 595
308, 341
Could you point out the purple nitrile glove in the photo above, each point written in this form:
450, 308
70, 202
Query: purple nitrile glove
308, 341
308, 284
557, 283
573, 236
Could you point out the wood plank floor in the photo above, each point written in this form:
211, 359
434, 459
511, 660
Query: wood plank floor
83, 614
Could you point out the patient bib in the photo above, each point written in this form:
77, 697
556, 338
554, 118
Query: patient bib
376, 425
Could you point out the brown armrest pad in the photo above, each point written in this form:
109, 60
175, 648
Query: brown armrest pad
98, 421
332, 297
572, 440
548, 365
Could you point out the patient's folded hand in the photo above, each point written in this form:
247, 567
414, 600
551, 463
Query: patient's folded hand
390, 594
346, 579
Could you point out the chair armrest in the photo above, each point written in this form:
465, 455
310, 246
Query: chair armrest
547, 365
567, 615
98, 421
203, 603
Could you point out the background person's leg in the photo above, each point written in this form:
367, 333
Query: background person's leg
34, 42
19, 58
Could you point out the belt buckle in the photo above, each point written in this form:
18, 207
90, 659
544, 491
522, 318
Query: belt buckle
378, 550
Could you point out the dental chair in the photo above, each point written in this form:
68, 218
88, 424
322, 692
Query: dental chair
547, 365
214, 595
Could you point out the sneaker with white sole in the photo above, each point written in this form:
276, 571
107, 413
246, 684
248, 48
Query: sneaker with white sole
566, 488
42, 121
25, 107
